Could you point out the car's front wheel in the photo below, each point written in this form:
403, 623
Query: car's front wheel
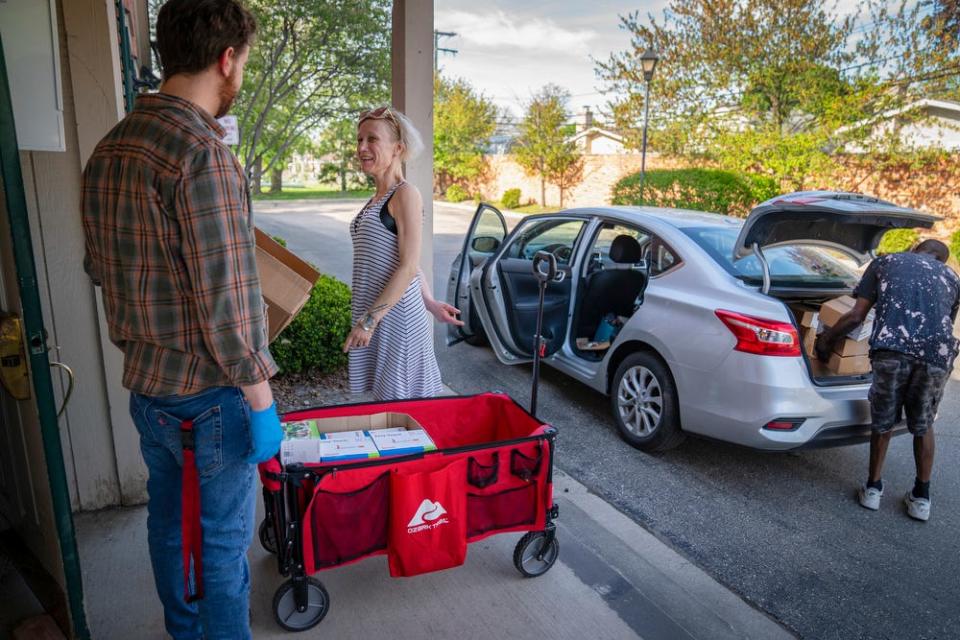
644, 402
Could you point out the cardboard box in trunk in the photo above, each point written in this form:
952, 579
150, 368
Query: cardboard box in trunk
832, 310
808, 336
285, 280
847, 347
810, 320
851, 366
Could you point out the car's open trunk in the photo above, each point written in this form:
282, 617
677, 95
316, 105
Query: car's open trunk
819, 372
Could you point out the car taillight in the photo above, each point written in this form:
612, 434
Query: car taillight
759, 336
784, 424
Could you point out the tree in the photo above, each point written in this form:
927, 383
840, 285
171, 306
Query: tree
542, 148
312, 60
463, 121
754, 73
778, 86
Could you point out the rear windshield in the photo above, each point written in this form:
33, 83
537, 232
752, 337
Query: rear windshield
796, 265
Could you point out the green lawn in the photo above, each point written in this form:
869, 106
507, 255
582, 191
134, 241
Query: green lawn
313, 193
536, 208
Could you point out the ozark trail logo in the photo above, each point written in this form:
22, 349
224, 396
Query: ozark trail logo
429, 515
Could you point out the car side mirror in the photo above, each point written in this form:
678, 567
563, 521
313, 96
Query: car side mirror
485, 244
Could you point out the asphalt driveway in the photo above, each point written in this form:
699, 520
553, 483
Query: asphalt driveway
782, 530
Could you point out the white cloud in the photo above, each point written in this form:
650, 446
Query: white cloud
497, 29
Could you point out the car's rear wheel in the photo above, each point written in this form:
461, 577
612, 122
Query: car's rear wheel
644, 401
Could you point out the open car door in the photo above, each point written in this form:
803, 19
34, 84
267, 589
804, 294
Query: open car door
484, 237
505, 291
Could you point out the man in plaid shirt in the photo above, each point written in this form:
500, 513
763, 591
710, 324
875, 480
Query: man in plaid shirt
169, 238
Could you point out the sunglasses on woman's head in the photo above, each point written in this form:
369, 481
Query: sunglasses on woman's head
377, 114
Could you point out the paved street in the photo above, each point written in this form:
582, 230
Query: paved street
782, 530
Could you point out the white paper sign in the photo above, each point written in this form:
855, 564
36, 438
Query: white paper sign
232, 128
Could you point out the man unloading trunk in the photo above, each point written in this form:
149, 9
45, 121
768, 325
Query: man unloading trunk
912, 350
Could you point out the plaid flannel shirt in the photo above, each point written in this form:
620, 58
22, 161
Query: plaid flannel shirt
169, 237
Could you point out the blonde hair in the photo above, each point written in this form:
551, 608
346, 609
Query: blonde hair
403, 130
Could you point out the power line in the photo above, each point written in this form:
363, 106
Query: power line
437, 48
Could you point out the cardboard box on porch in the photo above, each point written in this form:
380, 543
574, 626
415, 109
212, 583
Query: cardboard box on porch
285, 280
851, 366
832, 310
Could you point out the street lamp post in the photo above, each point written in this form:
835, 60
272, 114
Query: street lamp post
648, 61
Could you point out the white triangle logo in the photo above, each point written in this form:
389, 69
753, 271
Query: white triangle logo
428, 511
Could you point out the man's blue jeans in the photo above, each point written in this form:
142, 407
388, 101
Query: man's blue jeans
221, 425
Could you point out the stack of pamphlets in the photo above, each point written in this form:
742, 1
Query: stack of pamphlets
399, 441
347, 445
303, 442
312, 441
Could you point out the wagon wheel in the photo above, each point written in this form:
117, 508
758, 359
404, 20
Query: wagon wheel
534, 555
285, 606
268, 536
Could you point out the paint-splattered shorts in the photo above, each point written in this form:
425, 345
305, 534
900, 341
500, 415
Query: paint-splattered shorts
905, 383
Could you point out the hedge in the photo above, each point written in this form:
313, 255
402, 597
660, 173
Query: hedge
699, 189
314, 340
456, 193
511, 198
898, 241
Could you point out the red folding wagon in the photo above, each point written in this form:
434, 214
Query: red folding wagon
492, 472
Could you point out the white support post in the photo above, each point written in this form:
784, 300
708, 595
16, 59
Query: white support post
412, 66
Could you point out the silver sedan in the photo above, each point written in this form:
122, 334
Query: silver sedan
689, 321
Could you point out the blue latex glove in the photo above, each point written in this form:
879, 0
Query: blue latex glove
265, 434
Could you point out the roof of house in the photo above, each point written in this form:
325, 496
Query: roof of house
597, 132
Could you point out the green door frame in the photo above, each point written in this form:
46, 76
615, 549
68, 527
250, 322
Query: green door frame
36, 335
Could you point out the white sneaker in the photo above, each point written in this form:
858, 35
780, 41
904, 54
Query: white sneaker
870, 497
917, 508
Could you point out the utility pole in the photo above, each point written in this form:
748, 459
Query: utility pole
437, 48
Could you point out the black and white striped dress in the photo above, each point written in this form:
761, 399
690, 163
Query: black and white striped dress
399, 361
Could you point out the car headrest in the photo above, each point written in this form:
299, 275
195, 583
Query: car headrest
625, 249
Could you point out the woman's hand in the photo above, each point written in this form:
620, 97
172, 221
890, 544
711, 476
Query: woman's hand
443, 312
359, 337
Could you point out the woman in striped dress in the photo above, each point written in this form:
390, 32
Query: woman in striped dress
391, 343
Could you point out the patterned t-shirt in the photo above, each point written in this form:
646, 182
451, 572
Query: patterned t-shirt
916, 299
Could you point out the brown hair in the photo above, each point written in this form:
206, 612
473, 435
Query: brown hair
192, 34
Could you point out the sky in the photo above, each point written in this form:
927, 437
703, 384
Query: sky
508, 49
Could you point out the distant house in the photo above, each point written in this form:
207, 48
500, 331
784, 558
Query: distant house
924, 124
595, 140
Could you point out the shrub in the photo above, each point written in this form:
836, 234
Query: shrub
955, 245
699, 189
511, 199
314, 339
456, 193
898, 240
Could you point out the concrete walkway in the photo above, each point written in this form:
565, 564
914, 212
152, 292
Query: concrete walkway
613, 580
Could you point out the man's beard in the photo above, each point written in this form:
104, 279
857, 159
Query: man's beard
227, 94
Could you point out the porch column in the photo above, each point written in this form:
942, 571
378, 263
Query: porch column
412, 66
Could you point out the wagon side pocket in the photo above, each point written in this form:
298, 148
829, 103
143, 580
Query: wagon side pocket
525, 467
505, 510
483, 475
347, 526
428, 520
